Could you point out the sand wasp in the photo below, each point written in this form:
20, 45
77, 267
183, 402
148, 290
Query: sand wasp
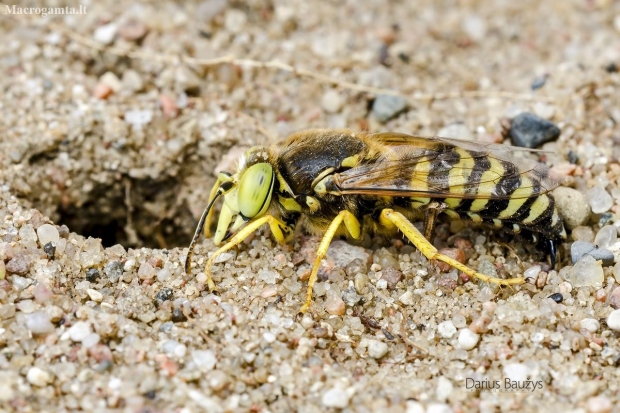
348, 182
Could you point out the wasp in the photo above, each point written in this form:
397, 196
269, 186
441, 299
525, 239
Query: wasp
346, 183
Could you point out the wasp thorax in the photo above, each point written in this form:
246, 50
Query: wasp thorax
255, 188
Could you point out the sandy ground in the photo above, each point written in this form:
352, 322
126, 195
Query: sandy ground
114, 123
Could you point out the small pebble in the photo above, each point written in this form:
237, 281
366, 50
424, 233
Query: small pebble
516, 371
468, 339
480, 324
334, 305
26, 306
169, 107
539, 82
605, 218
406, 298
146, 272
42, 293
94, 295
335, 397
163, 275
385, 107
614, 298
377, 349
91, 340
587, 272
572, 206
178, 316
102, 91
446, 329
599, 199
132, 81
456, 130
19, 264
439, 408
132, 30
532, 272
475, 27
105, 34
50, 250
92, 275
582, 233
557, 297
579, 248
79, 331
599, 404
613, 320
392, 276
590, 324
343, 254
205, 360
459, 321
332, 101
413, 406
606, 236
113, 270
39, 323
530, 131
48, 233
350, 296
38, 377
455, 253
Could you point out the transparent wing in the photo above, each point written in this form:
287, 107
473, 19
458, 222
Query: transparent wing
414, 166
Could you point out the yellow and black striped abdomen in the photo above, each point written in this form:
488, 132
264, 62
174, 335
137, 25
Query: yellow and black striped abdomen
486, 189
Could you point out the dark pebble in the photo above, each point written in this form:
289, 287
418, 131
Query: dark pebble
162, 295
92, 275
151, 394
605, 218
63, 231
611, 68
539, 82
385, 107
557, 297
178, 316
530, 131
50, 250
387, 334
113, 270
580, 248
572, 157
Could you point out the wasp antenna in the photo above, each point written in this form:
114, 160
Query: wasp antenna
201, 223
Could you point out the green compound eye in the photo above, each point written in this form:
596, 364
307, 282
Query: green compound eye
255, 188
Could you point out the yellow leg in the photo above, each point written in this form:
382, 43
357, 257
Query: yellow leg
279, 229
222, 177
390, 219
353, 227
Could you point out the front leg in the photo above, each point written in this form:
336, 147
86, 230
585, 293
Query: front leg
281, 231
353, 227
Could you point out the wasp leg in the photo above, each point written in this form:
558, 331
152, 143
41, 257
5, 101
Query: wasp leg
432, 210
353, 227
391, 219
222, 177
280, 230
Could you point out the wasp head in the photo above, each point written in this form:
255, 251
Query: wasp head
247, 194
